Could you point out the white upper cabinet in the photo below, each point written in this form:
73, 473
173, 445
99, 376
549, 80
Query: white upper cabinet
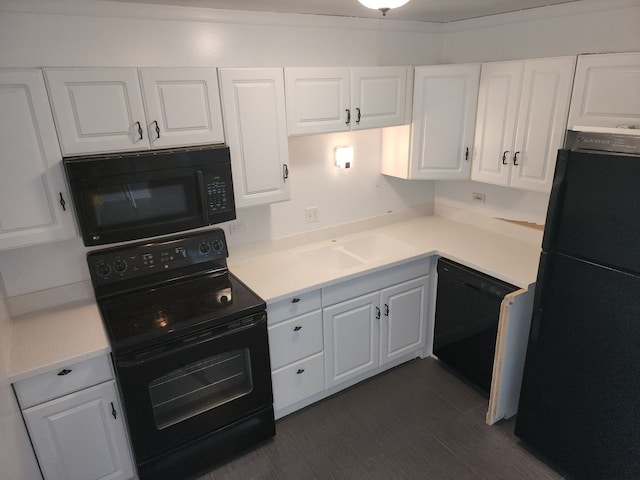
521, 121
337, 99
35, 206
440, 139
378, 97
183, 106
255, 123
102, 109
97, 109
606, 91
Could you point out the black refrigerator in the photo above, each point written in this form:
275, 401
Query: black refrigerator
580, 398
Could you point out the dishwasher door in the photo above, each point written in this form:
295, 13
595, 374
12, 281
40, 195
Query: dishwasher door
466, 325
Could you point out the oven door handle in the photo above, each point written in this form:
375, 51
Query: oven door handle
191, 341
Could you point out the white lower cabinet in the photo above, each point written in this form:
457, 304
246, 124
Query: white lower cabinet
351, 338
79, 435
326, 340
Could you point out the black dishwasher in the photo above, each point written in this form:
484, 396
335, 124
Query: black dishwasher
466, 326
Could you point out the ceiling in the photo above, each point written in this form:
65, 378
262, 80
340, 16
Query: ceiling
439, 11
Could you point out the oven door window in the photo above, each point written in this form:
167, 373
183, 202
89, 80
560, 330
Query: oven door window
191, 390
134, 202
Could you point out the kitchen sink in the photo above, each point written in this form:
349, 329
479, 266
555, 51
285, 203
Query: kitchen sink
330, 258
374, 246
350, 253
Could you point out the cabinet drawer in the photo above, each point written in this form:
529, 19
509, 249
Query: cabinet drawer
298, 381
292, 306
294, 339
57, 383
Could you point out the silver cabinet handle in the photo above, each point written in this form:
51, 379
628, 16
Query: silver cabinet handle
157, 129
515, 159
139, 129
348, 122
358, 116
504, 157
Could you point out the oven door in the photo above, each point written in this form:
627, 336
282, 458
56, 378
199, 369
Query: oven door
178, 392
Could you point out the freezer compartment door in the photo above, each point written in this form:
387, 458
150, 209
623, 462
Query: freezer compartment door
581, 385
594, 209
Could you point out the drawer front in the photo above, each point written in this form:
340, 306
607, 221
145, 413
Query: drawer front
64, 380
295, 339
298, 381
293, 306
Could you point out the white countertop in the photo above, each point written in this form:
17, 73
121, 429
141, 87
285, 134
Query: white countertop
277, 274
55, 337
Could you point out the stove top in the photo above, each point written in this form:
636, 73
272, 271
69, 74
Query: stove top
142, 318
153, 292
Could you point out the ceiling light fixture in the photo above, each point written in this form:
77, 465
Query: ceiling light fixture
383, 5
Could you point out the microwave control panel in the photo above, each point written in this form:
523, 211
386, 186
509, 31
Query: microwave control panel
219, 193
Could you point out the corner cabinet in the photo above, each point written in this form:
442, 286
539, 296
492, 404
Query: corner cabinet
440, 138
35, 206
606, 91
122, 109
253, 105
339, 99
521, 121
76, 424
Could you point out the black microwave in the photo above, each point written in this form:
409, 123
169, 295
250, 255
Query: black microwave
128, 196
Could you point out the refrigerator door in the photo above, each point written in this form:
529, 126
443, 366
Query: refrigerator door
581, 385
594, 209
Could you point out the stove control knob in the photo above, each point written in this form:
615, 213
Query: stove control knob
217, 245
120, 266
103, 269
205, 248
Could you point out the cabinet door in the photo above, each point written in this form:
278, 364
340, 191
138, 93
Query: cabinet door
318, 100
35, 206
378, 97
402, 329
444, 115
351, 338
542, 121
496, 122
81, 436
97, 109
255, 123
606, 91
183, 106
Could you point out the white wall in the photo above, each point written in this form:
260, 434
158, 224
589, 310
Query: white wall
169, 36
17, 461
589, 26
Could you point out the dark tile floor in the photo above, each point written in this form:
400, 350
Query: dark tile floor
417, 421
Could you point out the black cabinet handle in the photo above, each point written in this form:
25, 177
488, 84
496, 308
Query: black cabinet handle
297, 328
63, 372
466, 154
386, 310
63, 203
300, 371
295, 300
358, 116
504, 157
377, 313
139, 130
515, 158
113, 411
285, 171
157, 129
348, 116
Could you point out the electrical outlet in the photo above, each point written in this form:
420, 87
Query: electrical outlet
236, 227
312, 214
478, 197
